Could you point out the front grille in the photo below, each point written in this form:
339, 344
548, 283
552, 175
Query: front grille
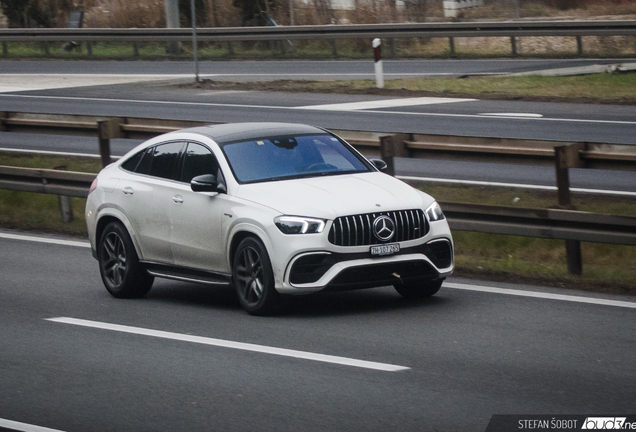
357, 230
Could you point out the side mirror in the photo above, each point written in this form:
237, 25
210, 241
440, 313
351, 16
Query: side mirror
379, 164
206, 183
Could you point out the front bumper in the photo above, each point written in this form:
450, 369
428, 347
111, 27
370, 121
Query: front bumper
322, 270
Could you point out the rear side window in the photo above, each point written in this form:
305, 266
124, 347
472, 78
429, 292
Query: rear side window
131, 163
159, 161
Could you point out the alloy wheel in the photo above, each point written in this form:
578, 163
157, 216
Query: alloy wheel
249, 276
114, 259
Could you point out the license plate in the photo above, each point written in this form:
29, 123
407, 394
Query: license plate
387, 249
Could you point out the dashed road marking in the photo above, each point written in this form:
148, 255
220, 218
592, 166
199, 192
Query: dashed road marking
541, 295
231, 344
384, 103
24, 427
50, 240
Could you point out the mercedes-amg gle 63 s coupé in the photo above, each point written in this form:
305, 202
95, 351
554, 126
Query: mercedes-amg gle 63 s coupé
270, 208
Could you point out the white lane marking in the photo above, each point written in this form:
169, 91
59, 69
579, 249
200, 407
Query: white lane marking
384, 103
515, 185
481, 117
49, 152
96, 76
87, 99
54, 153
29, 82
24, 427
513, 115
367, 113
541, 295
231, 344
49, 240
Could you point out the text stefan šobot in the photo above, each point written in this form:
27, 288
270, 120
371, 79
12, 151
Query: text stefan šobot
548, 424
590, 423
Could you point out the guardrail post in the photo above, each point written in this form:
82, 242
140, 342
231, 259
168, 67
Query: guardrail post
66, 206
393, 146
579, 45
89, 48
5, 49
513, 43
136, 49
334, 48
451, 41
567, 157
107, 129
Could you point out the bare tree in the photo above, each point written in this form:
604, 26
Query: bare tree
324, 11
415, 10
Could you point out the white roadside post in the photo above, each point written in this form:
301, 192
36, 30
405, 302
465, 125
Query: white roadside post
379, 74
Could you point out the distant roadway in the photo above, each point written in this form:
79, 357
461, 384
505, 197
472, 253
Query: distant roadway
446, 116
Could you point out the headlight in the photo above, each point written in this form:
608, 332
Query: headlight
299, 225
434, 212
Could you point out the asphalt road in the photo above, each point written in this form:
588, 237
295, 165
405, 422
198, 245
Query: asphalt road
466, 355
294, 69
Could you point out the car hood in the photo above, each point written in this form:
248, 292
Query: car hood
338, 195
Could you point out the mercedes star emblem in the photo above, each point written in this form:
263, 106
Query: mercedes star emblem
383, 228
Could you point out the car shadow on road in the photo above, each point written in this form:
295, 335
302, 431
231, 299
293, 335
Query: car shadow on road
377, 300
195, 295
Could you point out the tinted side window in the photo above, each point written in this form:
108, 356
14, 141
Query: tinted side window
146, 161
198, 160
133, 161
164, 160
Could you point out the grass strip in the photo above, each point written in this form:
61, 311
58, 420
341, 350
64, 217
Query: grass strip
616, 88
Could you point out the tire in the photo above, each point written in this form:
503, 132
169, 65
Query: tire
253, 278
119, 264
418, 290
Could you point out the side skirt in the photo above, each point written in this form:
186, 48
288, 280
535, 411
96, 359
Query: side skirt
186, 274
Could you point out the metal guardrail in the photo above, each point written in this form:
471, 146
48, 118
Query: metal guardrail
46, 181
565, 223
541, 223
352, 31
511, 29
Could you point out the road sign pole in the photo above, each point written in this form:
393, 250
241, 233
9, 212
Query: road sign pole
194, 42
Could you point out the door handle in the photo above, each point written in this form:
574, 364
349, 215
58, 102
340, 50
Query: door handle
128, 190
178, 199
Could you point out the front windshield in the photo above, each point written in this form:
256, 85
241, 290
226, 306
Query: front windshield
284, 157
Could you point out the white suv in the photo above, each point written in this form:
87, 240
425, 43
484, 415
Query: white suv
270, 208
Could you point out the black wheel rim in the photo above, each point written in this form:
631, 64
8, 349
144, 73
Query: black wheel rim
249, 276
113, 257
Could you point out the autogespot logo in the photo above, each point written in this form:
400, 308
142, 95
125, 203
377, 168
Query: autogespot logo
384, 228
605, 423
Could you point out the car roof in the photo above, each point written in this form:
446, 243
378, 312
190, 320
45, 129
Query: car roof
232, 132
